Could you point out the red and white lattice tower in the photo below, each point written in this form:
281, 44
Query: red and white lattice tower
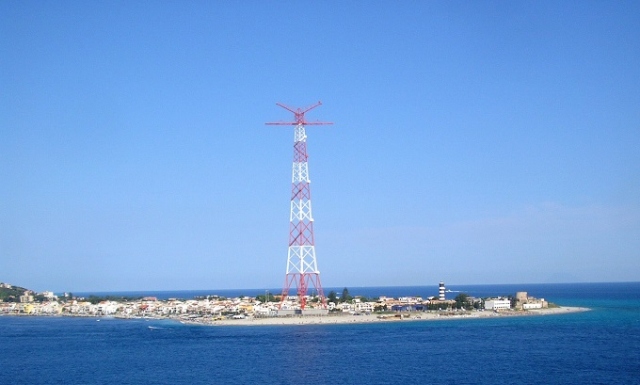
302, 267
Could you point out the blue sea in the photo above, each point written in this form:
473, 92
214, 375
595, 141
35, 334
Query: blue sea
601, 346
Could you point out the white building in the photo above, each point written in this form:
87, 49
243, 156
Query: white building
410, 299
366, 307
497, 304
48, 295
106, 307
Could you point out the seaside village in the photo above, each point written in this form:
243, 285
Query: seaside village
218, 308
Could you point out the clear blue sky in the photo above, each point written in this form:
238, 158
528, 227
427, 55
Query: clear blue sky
474, 142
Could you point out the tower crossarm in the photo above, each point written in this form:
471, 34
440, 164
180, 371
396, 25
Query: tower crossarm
298, 114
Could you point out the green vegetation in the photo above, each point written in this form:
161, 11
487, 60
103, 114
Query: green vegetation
463, 302
270, 298
380, 308
40, 298
346, 297
437, 306
94, 299
366, 299
11, 294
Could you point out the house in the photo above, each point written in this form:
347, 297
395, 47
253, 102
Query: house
48, 295
524, 302
497, 304
364, 307
26, 297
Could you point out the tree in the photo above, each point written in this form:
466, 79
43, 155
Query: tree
269, 298
462, 301
332, 297
380, 307
345, 295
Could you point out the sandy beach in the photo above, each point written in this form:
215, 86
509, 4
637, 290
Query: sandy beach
336, 319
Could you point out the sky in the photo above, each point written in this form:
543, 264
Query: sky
473, 142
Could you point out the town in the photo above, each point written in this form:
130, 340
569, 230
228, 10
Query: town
214, 308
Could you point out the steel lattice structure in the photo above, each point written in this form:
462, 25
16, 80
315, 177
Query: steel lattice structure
302, 266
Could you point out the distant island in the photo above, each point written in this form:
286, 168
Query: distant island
269, 309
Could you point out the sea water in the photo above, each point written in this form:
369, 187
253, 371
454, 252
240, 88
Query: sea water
596, 347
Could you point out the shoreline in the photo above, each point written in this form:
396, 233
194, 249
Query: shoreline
331, 319
378, 318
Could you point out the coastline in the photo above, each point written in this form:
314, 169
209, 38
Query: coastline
332, 319
340, 319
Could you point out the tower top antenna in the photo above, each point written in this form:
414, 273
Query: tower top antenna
298, 114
